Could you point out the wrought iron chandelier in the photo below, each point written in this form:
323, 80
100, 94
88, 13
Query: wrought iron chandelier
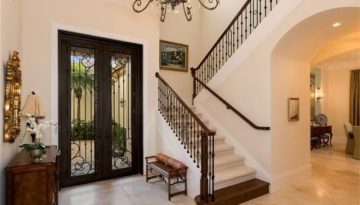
140, 6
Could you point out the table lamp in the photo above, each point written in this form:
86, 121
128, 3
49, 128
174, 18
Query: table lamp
32, 108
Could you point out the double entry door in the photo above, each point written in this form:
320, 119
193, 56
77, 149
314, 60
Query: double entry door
100, 108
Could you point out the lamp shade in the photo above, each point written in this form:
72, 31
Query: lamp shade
32, 106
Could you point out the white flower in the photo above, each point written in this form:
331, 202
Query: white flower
33, 126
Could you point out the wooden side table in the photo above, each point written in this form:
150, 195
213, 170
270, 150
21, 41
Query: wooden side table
30, 183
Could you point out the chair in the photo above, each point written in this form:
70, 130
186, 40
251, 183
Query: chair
325, 139
350, 138
315, 142
356, 130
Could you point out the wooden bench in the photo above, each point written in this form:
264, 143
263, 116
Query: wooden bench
167, 169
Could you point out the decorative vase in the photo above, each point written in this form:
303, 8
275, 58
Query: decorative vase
36, 154
35, 150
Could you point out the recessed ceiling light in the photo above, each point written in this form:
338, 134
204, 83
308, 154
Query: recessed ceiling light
336, 24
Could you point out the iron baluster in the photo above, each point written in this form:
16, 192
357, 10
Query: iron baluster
191, 137
237, 33
233, 39
250, 16
242, 29
194, 141
204, 181
260, 12
179, 120
198, 145
212, 139
246, 23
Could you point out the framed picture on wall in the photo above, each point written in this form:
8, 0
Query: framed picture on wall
293, 109
173, 56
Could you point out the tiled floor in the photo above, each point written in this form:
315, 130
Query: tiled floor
123, 191
335, 181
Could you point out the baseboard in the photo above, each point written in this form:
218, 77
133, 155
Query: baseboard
290, 177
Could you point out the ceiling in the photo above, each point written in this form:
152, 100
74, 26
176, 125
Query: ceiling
347, 60
308, 38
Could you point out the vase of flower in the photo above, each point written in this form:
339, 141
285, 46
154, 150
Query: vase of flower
36, 150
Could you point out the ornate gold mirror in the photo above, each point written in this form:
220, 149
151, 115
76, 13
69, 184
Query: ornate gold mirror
12, 98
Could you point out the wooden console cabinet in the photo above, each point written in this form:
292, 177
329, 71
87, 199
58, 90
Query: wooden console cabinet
30, 183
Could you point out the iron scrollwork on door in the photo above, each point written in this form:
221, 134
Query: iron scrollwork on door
82, 112
12, 98
121, 136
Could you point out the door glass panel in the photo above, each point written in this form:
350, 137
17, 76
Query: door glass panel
82, 111
121, 107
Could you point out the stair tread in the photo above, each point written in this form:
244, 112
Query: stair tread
222, 147
218, 137
235, 172
228, 158
241, 188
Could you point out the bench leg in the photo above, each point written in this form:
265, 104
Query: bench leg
185, 185
147, 174
169, 189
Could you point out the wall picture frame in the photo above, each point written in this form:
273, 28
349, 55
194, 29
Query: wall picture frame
173, 56
293, 109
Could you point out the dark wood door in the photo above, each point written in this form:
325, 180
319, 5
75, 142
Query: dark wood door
100, 108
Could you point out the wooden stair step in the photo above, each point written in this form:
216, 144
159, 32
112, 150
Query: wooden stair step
239, 193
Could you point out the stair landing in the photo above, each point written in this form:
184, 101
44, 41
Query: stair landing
238, 193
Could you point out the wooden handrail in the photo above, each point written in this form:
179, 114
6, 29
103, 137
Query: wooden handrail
230, 107
196, 118
224, 33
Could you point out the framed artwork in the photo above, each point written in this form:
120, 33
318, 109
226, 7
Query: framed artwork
173, 56
293, 109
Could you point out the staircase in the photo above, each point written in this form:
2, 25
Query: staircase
229, 167
234, 182
225, 178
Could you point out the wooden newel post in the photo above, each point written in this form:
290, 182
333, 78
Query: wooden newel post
204, 181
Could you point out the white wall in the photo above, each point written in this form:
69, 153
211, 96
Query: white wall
336, 100
10, 36
248, 90
177, 29
109, 19
290, 141
199, 34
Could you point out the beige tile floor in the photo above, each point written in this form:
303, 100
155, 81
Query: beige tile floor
335, 181
123, 191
